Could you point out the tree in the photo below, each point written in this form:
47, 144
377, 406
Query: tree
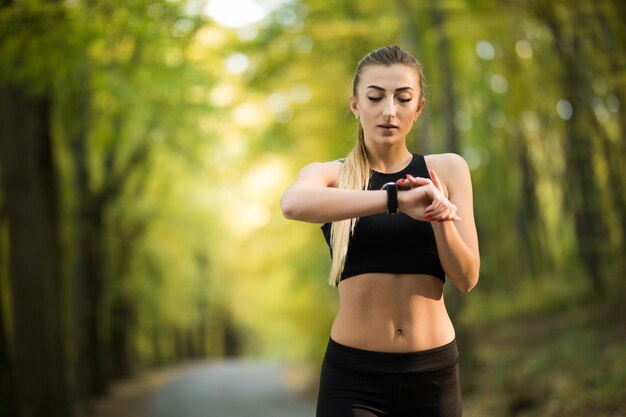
30, 187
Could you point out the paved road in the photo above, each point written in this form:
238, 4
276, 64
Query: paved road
228, 389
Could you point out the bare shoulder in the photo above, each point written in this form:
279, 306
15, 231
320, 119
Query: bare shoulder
322, 173
453, 170
448, 164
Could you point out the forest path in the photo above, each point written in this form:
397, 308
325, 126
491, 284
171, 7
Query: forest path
232, 388
228, 389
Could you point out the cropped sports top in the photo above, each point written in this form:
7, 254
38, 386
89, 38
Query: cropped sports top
392, 243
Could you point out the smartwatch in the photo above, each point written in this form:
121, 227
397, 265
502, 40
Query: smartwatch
392, 197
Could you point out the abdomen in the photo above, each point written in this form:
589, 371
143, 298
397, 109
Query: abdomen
392, 313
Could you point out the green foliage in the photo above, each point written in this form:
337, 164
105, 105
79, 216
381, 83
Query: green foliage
192, 130
564, 361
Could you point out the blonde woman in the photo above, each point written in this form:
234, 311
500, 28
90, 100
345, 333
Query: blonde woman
397, 223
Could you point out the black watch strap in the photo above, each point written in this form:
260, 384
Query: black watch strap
392, 197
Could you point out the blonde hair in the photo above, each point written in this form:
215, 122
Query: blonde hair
355, 172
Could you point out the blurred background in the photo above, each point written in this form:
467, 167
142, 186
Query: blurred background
144, 146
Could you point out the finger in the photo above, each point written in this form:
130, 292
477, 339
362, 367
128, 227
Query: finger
434, 207
451, 211
435, 213
435, 178
443, 214
440, 219
454, 219
444, 211
405, 184
452, 215
430, 210
418, 180
431, 218
416, 183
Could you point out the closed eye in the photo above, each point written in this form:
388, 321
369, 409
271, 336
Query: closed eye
402, 100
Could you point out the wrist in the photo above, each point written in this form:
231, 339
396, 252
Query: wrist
391, 189
402, 201
444, 226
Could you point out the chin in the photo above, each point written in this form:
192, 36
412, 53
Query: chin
390, 136
387, 140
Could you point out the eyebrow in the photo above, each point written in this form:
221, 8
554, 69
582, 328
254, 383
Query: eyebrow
382, 89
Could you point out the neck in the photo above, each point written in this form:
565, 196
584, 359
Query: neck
389, 158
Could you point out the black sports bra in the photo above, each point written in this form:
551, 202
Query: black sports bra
390, 243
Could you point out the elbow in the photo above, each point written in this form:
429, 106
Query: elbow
289, 214
466, 282
468, 285
289, 209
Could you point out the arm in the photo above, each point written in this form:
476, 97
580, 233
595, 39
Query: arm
457, 241
314, 198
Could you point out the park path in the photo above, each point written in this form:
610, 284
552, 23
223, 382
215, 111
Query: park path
233, 388
228, 389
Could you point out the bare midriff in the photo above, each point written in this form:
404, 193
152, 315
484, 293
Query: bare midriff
392, 313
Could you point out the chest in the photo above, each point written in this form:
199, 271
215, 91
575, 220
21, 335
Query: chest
400, 232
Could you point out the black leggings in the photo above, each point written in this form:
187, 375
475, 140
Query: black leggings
362, 383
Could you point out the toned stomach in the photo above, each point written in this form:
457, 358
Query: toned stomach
392, 313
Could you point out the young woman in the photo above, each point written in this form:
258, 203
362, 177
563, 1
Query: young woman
397, 223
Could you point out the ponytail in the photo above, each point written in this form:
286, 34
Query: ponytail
354, 175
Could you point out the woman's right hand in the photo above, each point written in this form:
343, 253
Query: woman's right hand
425, 200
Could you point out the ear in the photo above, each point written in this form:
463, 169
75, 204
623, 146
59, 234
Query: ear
420, 108
354, 108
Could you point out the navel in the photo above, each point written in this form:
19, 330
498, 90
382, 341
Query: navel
399, 332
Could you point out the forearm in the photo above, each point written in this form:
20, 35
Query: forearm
327, 204
458, 260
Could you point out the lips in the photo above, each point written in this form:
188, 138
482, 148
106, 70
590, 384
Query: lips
388, 126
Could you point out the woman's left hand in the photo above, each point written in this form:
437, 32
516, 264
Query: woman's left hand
440, 209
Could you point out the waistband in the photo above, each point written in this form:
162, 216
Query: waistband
392, 362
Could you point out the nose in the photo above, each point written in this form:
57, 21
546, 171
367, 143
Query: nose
389, 109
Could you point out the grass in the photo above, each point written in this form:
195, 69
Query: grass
555, 356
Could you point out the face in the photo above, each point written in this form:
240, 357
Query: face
387, 103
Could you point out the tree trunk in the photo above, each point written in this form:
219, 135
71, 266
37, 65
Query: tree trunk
448, 102
122, 326
30, 189
534, 256
123, 307
526, 208
410, 37
615, 151
231, 339
92, 375
157, 357
583, 190
88, 275
8, 405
